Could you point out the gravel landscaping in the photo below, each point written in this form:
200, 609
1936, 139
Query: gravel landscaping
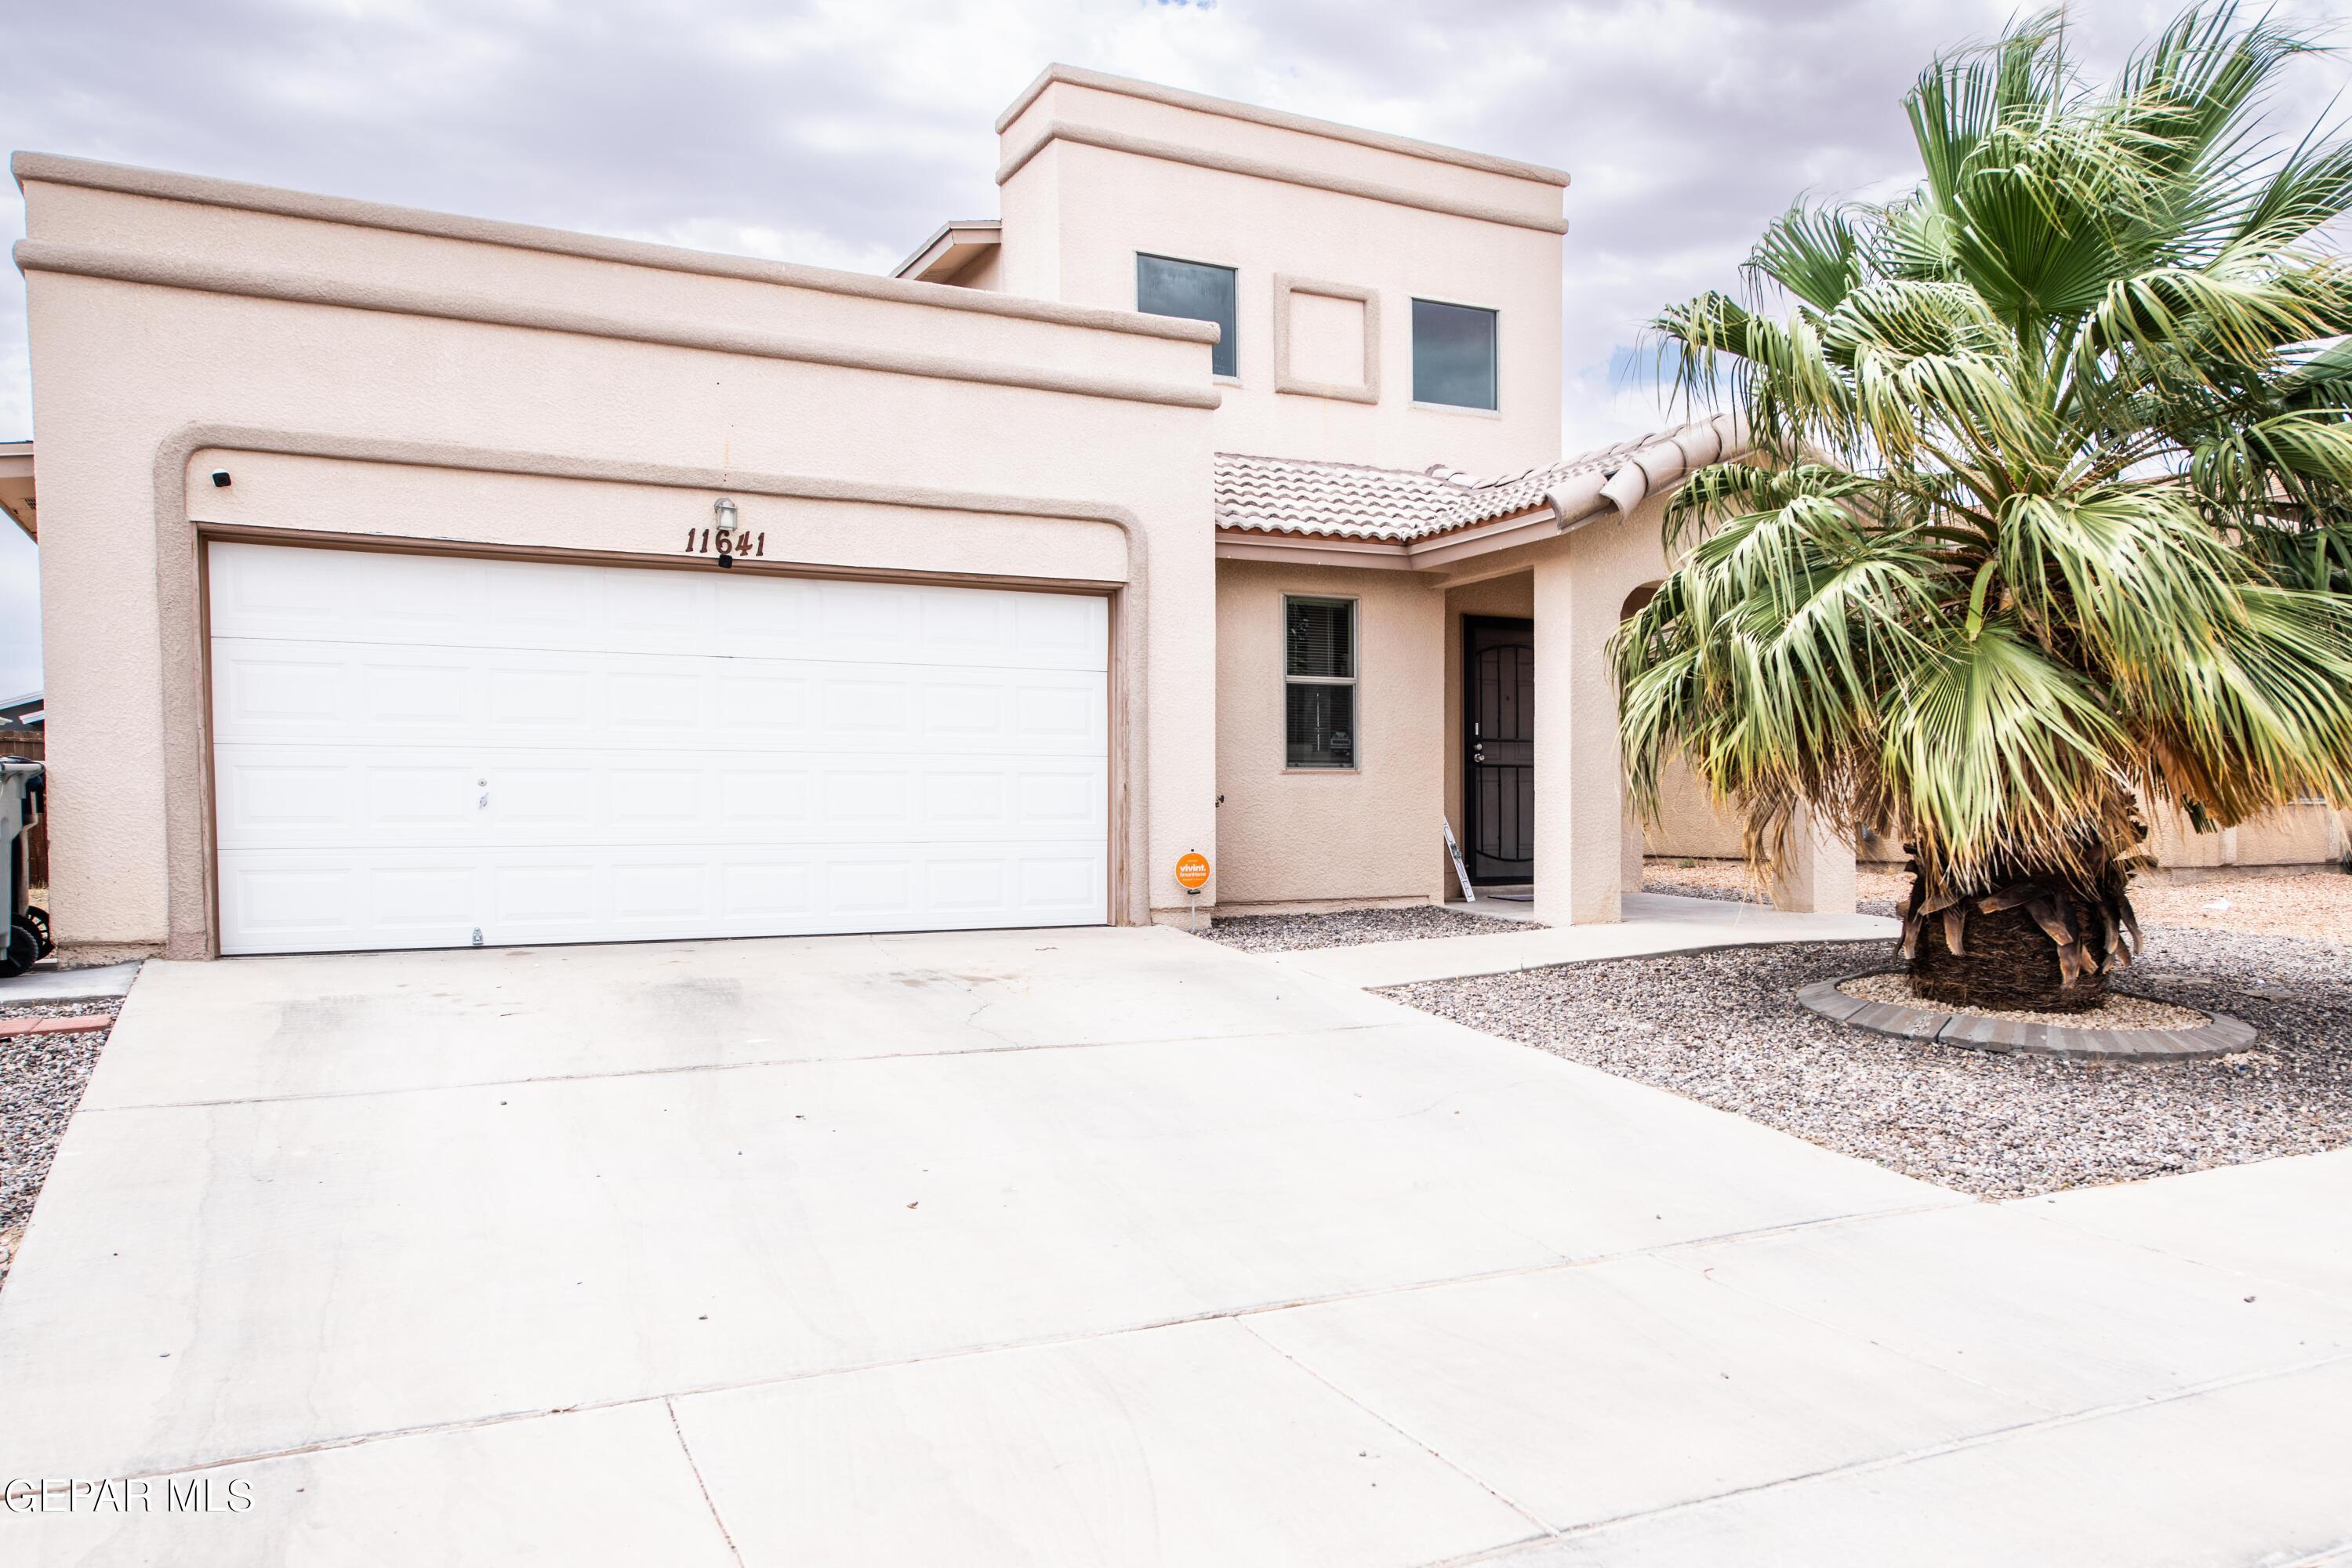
1725, 1028
1352, 928
41, 1079
2313, 905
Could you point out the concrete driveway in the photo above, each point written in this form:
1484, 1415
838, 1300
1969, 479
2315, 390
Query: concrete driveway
1092, 1247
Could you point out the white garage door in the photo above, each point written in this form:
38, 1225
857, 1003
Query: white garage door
415, 751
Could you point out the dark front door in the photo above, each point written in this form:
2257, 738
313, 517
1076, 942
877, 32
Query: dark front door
1499, 728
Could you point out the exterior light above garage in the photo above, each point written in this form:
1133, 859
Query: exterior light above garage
723, 530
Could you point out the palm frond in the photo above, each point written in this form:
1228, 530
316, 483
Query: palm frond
2050, 514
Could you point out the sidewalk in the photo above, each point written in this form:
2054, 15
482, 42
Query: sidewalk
1654, 923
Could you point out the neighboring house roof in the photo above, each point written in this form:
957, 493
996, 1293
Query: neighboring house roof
953, 247
1351, 500
16, 485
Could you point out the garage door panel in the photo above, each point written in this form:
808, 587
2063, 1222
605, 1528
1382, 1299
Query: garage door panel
760, 708
273, 690
425, 600
432, 899
664, 890
867, 709
552, 896
544, 698
769, 617
283, 687
1061, 631
305, 903
1062, 881
408, 696
872, 620
313, 902
533, 603
768, 802
764, 889
285, 797
265, 592
867, 802
289, 794
644, 796
1062, 801
655, 610
956, 625
409, 751
546, 799
956, 799
658, 699
437, 802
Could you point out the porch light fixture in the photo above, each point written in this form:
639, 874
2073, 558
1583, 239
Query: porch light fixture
722, 528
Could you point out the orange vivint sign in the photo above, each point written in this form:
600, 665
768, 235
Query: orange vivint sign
1192, 872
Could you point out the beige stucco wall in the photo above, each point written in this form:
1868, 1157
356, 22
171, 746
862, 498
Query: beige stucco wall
582, 402
1302, 836
2311, 835
1689, 823
1075, 214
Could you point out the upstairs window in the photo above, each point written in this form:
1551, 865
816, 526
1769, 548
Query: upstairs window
1193, 289
1452, 354
1318, 695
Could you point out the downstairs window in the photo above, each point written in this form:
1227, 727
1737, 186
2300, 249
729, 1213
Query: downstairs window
1319, 683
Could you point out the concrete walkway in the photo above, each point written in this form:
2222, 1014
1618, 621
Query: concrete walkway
1654, 923
1093, 1248
47, 982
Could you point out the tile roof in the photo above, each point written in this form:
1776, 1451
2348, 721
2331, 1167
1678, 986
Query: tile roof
1352, 500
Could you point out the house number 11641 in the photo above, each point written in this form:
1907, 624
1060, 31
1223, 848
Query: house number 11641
725, 541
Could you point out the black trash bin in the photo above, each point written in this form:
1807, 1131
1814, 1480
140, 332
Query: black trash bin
22, 784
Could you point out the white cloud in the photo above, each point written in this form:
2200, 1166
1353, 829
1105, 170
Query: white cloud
842, 131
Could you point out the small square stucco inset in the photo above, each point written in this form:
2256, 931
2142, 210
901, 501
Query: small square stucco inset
1306, 338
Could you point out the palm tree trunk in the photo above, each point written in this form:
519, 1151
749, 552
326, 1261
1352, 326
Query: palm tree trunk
2004, 951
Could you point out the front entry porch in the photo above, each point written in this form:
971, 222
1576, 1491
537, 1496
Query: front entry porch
1397, 644
1534, 781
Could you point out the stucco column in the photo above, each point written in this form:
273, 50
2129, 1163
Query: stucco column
1816, 876
1579, 793
1629, 875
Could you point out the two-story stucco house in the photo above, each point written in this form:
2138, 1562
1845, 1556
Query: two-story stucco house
412, 580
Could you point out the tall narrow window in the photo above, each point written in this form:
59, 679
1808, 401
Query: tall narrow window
1318, 695
1452, 354
1195, 290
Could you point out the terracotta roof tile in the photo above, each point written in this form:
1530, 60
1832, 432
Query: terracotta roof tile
1352, 500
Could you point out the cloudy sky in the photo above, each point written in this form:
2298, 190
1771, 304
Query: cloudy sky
842, 131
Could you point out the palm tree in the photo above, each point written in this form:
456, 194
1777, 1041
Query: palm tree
2045, 519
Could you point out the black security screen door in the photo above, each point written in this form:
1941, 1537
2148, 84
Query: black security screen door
1499, 771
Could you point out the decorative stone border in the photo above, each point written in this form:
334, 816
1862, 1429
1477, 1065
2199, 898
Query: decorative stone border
2218, 1037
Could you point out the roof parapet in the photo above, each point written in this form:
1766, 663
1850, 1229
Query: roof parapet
1201, 102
